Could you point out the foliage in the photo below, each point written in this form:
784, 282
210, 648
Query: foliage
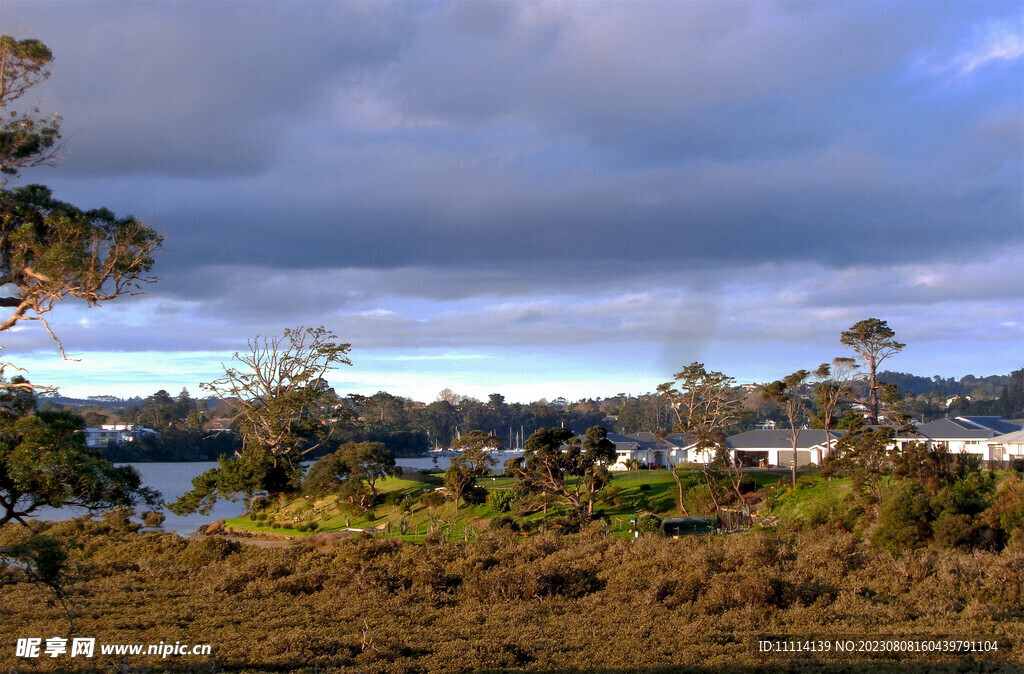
503, 602
865, 454
560, 464
279, 395
500, 500
44, 462
352, 473
648, 523
873, 341
705, 404
474, 461
25, 139
903, 518
50, 250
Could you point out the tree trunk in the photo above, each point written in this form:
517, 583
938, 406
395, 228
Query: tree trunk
679, 485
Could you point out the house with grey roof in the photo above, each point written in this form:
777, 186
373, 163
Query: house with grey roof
970, 435
775, 447
650, 450
1007, 447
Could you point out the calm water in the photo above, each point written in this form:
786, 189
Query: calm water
174, 479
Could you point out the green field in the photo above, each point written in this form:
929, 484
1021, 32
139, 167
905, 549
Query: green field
401, 514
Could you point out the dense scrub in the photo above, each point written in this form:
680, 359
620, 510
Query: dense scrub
543, 602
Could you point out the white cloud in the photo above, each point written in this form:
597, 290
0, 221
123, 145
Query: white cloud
990, 41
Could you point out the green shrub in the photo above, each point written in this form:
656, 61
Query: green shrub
500, 500
475, 495
968, 496
954, 530
903, 518
120, 519
698, 500
648, 523
433, 499
609, 494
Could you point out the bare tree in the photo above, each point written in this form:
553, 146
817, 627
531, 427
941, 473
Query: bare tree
835, 384
279, 395
787, 394
705, 403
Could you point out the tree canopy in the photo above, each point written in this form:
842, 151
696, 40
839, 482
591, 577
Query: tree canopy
50, 250
279, 395
352, 472
26, 139
874, 341
555, 456
44, 462
473, 462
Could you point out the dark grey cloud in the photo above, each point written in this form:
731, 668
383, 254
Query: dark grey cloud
535, 144
197, 89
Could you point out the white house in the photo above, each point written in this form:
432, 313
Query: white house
650, 450
110, 433
971, 435
775, 447
1007, 447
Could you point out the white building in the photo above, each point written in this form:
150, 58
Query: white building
650, 450
970, 435
110, 433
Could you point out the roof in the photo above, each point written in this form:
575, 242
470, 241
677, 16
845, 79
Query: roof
1015, 438
779, 439
967, 428
623, 442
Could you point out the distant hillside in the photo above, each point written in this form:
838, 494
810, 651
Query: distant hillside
915, 385
112, 403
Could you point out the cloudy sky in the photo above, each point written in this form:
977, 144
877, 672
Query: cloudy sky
542, 199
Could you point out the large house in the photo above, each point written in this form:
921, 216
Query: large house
650, 450
111, 433
754, 448
971, 435
765, 447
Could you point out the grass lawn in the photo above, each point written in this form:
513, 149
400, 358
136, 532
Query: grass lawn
631, 493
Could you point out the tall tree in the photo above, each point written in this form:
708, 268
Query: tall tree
874, 341
475, 461
352, 472
705, 403
554, 456
1011, 399
51, 251
787, 393
279, 400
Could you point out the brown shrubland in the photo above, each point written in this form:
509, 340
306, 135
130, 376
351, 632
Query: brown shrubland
544, 602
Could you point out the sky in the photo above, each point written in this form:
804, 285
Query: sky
542, 199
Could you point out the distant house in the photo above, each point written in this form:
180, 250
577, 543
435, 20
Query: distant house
649, 450
775, 447
971, 435
111, 433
